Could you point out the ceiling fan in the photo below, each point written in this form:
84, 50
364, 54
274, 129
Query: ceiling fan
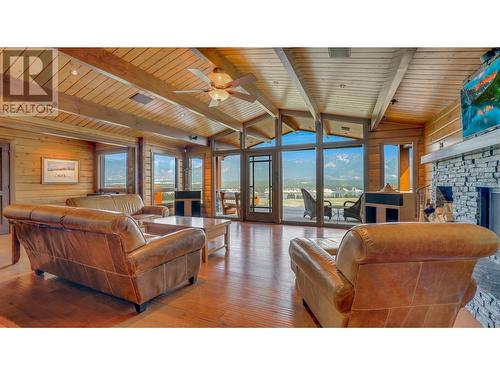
222, 86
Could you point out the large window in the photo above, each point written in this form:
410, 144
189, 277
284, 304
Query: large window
113, 171
227, 186
398, 166
164, 178
343, 184
299, 185
196, 174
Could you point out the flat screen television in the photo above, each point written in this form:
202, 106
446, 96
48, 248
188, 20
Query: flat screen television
480, 99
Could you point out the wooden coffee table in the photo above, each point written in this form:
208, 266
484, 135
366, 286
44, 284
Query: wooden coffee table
213, 229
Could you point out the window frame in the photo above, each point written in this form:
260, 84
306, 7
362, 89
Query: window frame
413, 171
176, 182
101, 155
189, 173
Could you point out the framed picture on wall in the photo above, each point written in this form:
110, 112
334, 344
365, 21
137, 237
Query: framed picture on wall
60, 171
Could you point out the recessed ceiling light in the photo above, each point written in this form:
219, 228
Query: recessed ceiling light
74, 72
183, 114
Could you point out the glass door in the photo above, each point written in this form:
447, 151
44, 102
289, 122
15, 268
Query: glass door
259, 183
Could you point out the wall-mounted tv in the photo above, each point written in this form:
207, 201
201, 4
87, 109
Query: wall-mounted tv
480, 98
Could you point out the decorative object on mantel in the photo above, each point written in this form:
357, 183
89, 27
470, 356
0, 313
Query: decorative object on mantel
388, 189
60, 171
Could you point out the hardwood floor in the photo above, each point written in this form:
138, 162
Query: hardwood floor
253, 286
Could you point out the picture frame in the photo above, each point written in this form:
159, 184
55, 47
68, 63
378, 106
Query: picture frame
57, 171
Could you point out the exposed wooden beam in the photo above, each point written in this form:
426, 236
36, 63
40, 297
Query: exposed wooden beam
64, 130
399, 65
118, 69
291, 123
217, 59
221, 134
349, 119
255, 120
73, 105
295, 113
288, 60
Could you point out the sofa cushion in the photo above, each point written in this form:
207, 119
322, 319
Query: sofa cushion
128, 203
100, 202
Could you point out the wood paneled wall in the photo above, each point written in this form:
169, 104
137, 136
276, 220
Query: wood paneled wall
28, 151
445, 128
392, 133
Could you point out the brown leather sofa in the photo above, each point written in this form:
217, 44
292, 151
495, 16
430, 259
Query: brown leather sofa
130, 204
106, 250
392, 275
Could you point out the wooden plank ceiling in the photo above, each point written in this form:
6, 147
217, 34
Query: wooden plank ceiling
432, 82
342, 86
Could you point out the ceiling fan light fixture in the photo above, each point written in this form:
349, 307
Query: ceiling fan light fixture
219, 78
219, 94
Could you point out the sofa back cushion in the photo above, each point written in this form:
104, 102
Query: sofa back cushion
129, 204
100, 202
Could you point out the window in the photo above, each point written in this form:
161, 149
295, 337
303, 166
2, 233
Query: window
398, 166
164, 178
196, 174
391, 166
343, 184
299, 185
113, 171
227, 185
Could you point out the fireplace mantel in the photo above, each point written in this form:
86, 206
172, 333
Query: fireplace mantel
473, 144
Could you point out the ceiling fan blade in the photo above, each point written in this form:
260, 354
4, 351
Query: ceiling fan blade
189, 91
245, 80
213, 103
198, 73
242, 96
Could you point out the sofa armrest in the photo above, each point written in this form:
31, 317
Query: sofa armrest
320, 269
155, 210
165, 249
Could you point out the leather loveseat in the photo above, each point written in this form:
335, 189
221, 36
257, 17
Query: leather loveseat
392, 275
106, 250
130, 204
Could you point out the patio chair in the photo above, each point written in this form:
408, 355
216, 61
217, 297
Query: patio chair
310, 206
353, 211
230, 202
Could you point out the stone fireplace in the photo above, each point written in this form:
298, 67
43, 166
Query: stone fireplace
474, 180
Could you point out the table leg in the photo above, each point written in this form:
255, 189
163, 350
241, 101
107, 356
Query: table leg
16, 246
227, 238
205, 252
